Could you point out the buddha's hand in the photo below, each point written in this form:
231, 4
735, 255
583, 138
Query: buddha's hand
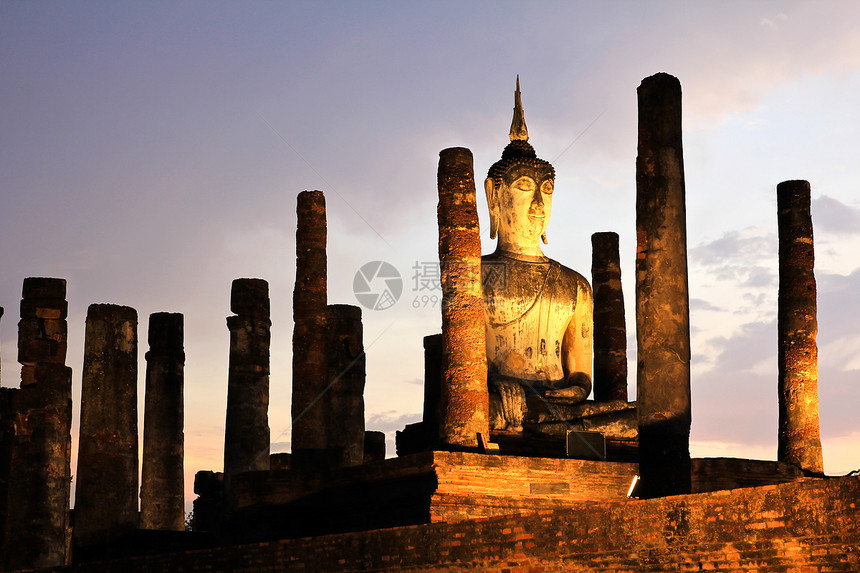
570, 395
513, 402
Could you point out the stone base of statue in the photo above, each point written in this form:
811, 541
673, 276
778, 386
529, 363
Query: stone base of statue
545, 428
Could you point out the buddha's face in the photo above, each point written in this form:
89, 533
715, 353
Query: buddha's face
524, 205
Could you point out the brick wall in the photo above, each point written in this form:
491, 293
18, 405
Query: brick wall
800, 527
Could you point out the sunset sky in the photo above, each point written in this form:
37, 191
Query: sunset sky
152, 152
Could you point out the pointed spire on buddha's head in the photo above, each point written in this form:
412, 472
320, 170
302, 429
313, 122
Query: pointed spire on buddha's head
519, 156
518, 124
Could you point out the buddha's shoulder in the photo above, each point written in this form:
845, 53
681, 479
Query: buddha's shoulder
569, 278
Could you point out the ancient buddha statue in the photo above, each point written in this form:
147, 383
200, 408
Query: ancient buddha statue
538, 312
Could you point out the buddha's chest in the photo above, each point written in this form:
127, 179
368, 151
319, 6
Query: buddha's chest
526, 316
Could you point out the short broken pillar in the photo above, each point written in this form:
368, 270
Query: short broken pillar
162, 484
374, 446
799, 441
310, 354
432, 385
662, 299
464, 397
346, 395
610, 330
106, 494
246, 434
39, 472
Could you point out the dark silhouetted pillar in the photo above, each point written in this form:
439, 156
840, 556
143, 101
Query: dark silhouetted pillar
162, 487
610, 330
662, 299
799, 441
432, 385
246, 435
374, 446
346, 394
39, 470
464, 398
310, 355
106, 494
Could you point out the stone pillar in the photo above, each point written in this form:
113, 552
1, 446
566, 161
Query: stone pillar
39, 470
432, 384
374, 446
310, 355
7, 439
246, 435
107, 490
346, 393
662, 299
162, 484
464, 398
799, 442
610, 330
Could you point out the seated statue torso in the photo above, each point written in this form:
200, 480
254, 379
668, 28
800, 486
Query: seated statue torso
538, 327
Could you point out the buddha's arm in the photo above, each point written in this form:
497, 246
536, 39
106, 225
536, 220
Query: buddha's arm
576, 349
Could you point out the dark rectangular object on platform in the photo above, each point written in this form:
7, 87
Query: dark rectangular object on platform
586, 445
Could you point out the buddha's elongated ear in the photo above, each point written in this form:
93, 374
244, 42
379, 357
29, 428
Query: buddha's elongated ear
493, 204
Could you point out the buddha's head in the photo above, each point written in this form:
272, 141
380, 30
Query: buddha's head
519, 191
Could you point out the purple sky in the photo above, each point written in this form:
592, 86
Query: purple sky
152, 152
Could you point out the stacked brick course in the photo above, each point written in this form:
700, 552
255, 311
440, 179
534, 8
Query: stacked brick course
809, 526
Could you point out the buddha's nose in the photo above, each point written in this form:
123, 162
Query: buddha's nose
537, 199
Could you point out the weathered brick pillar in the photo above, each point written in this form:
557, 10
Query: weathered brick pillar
662, 299
162, 484
39, 471
610, 330
106, 494
310, 354
464, 398
246, 435
346, 395
799, 441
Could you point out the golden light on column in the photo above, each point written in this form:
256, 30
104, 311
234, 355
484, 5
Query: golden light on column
799, 439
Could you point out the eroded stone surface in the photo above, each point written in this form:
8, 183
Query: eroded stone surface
310, 350
162, 497
610, 330
662, 299
246, 433
347, 362
463, 397
799, 442
35, 435
106, 494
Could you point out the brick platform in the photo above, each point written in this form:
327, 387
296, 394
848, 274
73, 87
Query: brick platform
810, 526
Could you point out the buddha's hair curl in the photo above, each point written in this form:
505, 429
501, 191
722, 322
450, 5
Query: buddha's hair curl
518, 152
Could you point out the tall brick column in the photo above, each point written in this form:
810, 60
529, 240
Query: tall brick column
799, 442
39, 472
610, 330
345, 397
310, 355
106, 494
662, 299
162, 484
464, 410
246, 435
